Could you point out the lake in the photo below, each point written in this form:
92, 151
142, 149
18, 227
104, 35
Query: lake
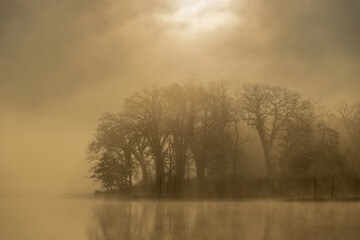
90, 218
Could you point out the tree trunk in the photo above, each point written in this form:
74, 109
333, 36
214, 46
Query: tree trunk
266, 149
235, 151
180, 173
180, 164
267, 160
140, 158
200, 169
128, 159
200, 172
145, 174
159, 170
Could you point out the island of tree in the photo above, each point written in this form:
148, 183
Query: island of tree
192, 140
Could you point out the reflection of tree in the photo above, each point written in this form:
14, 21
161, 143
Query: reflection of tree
266, 235
115, 221
158, 231
146, 220
177, 221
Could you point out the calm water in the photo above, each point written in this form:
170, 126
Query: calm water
90, 218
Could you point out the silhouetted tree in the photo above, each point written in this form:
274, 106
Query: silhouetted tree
222, 135
267, 109
350, 116
328, 159
145, 113
297, 151
110, 153
177, 117
162, 132
311, 147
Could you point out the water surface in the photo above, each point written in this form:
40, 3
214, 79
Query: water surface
94, 218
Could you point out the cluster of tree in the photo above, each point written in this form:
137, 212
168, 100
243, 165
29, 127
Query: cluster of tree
162, 134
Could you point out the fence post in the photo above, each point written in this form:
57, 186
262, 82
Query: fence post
160, 186
356, 183
332, 187
259, 186
314, 187
174, 186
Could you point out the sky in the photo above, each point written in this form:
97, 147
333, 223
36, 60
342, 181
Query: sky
65, 62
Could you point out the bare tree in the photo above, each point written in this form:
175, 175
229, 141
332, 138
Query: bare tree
139, 151
267, 109
111, 153
210, 117
177, 110
199, 128
145, 113
223, 128
350, 115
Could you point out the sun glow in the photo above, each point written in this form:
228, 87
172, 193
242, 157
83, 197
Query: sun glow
193, 16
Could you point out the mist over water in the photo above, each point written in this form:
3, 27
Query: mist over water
64, 63
179, 100
92, 218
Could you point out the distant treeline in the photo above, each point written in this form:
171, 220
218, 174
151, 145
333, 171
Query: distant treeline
194, 132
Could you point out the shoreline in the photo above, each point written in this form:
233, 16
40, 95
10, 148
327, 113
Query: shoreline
238, 199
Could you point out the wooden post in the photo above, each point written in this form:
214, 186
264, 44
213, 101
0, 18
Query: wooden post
314, 187
332, 187
356, 178
272, 188
356, 183
174, 186
160, 186
259, 187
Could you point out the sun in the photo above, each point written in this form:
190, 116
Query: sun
198, 16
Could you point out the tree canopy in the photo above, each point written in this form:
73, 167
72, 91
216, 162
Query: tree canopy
195, 131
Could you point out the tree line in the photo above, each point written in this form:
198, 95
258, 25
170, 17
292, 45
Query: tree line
197, 130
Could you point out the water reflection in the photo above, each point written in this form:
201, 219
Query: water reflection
224, 220
89, 219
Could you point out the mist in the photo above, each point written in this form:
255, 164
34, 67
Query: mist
64, 63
